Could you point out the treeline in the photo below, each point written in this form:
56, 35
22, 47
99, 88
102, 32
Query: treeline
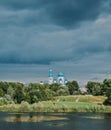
34, 92
17, 92
103, 88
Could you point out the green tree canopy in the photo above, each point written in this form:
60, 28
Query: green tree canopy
73, 87
19, 93
94, 88
107, 91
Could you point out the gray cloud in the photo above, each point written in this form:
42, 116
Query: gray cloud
68, 14
45, 31
34, 45
72, 36
64, 13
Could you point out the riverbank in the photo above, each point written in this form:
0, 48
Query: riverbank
78, 103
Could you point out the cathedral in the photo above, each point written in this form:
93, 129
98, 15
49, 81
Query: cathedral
60, 79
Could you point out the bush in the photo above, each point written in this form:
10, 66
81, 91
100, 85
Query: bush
24, 107
40, 107
107, 101
35, 107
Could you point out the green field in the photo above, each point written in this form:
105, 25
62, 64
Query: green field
78, 103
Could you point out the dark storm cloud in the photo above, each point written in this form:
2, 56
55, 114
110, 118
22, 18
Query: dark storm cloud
27, 45
66, 13
35, 31
31, 45
69, 13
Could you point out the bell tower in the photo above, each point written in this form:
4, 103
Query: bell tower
51, 80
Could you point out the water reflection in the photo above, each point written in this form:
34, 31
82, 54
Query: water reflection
33, 118
55, 121
57, 124
98, 117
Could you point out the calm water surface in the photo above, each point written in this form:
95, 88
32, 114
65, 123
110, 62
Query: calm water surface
55, 121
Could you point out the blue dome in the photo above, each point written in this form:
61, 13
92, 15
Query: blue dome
55, 79
50, 73
60, 74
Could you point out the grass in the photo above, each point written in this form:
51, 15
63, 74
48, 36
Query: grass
77, 103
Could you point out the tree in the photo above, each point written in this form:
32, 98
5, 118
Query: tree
107, 91
27, 97
94, 88
4, 86
63, 91
19, 93
1, 92
54, 87
34, 94
73, 87
37, 92
11, 91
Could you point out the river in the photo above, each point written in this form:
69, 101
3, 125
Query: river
55, 121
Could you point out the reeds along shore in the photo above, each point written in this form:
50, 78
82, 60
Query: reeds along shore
61, 104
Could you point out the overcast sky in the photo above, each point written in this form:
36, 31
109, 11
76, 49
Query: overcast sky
73, 36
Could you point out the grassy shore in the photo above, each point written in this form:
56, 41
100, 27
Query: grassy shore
62, 104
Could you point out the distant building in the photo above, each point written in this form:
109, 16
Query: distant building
51, 80
41, 82
55, 80
60, 78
